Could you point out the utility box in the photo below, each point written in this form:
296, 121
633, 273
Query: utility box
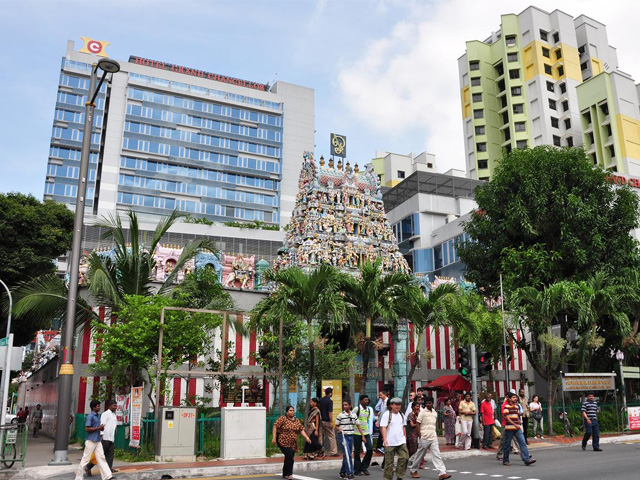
244, 433
176, 435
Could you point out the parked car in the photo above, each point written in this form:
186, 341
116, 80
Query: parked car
10, 417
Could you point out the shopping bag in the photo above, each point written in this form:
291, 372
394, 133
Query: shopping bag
496, 433
93, 459
458, 428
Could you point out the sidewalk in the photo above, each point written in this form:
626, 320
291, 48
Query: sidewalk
153, 470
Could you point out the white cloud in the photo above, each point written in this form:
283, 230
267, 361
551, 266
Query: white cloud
407, 80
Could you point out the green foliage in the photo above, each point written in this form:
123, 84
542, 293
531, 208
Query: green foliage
225, 383
484, 327
332, 362
548, 215
202, 289
203, 221
255, 225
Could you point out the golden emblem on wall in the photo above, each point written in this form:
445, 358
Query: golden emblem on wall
94, 47
338, 145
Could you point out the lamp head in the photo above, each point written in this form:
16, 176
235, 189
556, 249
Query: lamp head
108, 65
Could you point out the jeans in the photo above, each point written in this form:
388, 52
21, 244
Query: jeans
487, 440
436, 458
593, 429
346, 443
361, 466
538, 424
403, 458
524, 451
287, 468
465, 438
525, 426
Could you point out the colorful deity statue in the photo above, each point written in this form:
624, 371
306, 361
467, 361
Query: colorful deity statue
238, 271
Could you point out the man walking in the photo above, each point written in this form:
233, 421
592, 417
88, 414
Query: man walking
467, 411
362, 437
326, 409
513, 428
428, 440
524, 404
108, 435
590, 417
346, 423
36, 420
394, 439
381, 408
93, 444
487, 419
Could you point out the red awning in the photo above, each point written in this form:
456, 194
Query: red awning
450, 383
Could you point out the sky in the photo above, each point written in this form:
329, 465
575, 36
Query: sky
384, 72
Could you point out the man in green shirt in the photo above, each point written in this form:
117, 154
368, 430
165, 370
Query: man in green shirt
365, 414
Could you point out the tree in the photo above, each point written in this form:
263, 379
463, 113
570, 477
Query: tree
310, 297
548, 215
377, 296
33, 234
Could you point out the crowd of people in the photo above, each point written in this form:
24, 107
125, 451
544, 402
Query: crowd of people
35, 419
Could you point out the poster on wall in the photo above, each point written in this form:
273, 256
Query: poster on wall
634, 418
122, 409
136, 415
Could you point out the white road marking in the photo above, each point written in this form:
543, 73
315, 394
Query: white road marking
497, 475
465, 472
513, 478
480, 474
296, 476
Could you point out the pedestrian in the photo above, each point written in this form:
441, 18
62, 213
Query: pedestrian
455, 403
326, 413
590, 418
23, 414
535, 408
285, 434
314, 424
346, 423
513, 428
108, 435
467, 411
488, 420
449, 415
524, 404
394, 440
502, 431
412, 397
362, 441
428, 440
36, 420
413, 429
93, 445
381, 407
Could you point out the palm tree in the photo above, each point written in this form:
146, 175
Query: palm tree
310, 297
377, 296
544, 309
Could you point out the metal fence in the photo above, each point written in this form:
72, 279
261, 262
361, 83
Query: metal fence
13, 442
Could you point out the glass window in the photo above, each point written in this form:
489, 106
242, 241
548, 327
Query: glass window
478, 113
515, 73
476, 97
546, 52
474, 65
481, 147
518, 108
475, 81
512, 57
510, 40
520, 126
543, 35
547, 69
516, 91
550, 87
552, 104
480, 130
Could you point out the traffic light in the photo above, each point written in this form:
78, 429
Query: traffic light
485, 363
507, 352
464, 362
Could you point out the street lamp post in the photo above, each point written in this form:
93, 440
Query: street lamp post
620, 358
66, 347
6, 372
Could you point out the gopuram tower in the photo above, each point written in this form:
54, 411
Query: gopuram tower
339, 220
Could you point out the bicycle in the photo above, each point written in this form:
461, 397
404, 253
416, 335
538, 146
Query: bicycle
9, 448
568, 430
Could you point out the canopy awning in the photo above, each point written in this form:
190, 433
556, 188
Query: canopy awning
450, 383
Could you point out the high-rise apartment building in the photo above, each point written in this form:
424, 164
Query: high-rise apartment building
393, 168
170, 137
519, 86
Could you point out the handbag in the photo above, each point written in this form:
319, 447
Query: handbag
496, 433
537, 414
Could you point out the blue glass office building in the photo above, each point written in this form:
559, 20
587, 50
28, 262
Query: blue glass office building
170, 137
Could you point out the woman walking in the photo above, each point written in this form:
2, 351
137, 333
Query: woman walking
314, 424
449, 415
535, 407
413, 429
285, 435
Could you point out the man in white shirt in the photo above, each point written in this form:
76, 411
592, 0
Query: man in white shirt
108, 435
394, 438
427, 420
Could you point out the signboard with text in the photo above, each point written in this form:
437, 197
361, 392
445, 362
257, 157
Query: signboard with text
337, 395
136, 416
634, 418
584, 382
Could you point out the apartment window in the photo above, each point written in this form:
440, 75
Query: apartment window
561, 71
556, 37
567, 124
558, 54
520, 127
584, 65
518, 108
591, 137
587, 116
505, 118
563, 88
475, 82
481, 147
552, 104
482, 164
514, 74
476, 97
565, 106
480, 130
479, 113
507, 148
582, 49
555, 123
556, 140
612, 151
521, 144
512, 57
501, 86
475, 65
546, 52
594, 158
503, 101
400, 173
609, 131
547, 69
550, 87
605, 108
543, 35
507, 134
569, 141
499, 69
516, 91
510, 40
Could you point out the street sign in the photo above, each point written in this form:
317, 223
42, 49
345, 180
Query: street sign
634, 418
631, 372
4, 341
584, 382
16, 357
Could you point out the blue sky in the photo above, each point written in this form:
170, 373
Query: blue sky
384, 71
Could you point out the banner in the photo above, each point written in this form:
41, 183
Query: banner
337, 395
136, 415
634, 418
584, 382
122, 410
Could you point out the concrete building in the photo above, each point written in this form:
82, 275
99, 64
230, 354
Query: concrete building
393, 168
169, 137
519, 86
